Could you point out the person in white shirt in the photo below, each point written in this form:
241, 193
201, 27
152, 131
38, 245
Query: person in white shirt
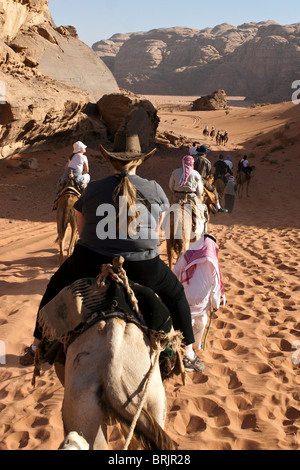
199, 272
193, 149
186, 181
229, 162
78, 163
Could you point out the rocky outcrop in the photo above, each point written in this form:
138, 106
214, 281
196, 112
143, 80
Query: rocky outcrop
213, 102
257, 60
131, 114
47, 78
35, 108
57, 52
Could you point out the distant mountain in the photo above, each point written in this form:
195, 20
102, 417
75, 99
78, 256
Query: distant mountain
257, 60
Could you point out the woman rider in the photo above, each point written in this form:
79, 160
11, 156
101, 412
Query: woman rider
115, 195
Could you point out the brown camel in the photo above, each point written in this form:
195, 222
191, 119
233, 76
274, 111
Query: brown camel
220, 187
225, 138
212, 134
206, 132
209, 199
183, 224
65, 216
243, 180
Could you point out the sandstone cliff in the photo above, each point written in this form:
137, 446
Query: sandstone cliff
27, 27
47, 77
256, 60
130, 114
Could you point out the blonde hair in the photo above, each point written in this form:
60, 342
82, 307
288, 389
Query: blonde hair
125, 188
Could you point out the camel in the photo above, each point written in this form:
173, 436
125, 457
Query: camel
220, 187
206, 132
225, 138
181, 229
112, 366
242, 180
218, 139
104, 380
212, 134
65, 216
209, 199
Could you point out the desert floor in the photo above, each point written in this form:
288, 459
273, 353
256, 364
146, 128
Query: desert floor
248, 398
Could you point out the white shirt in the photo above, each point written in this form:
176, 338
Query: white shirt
77, 162
193, 184
229, 163
193, 151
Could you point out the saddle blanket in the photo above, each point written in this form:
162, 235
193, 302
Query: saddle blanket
84, 302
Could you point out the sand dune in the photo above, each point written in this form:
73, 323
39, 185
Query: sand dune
248, 398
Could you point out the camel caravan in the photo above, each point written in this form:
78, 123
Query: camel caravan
221, 139
115, 321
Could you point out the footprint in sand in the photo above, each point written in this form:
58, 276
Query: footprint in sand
196, 425
213, 410
229, 376
249, 422
260, 368
292, 413
18, 440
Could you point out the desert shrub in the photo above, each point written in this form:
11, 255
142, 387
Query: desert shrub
283, 138
261, 143
276, 148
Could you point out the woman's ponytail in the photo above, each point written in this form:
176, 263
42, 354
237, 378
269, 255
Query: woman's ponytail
125, 189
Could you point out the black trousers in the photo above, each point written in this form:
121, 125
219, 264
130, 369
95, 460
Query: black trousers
153, 273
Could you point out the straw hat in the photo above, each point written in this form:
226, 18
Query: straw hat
126, 148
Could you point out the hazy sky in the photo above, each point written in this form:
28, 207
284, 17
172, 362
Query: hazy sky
100, 19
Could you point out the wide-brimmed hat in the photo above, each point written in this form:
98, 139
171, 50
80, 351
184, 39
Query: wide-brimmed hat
126, 148
203, 149
78, 147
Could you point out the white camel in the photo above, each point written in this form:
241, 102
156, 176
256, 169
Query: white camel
112, 372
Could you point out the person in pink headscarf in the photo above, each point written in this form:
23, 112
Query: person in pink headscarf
186, 181
199, 272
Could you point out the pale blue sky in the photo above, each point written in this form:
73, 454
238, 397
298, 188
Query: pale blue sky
100, 19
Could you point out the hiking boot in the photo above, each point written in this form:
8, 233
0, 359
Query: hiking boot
28, 358
223, 210
194, 365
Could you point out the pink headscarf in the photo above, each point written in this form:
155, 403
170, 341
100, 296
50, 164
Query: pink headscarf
188, 166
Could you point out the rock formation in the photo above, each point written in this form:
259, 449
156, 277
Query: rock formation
27, 27
213, 102
129, 113
43, 90
257, 60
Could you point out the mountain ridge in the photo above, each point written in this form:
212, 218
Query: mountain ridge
257, 60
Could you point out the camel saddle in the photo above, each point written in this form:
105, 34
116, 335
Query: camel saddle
209, 196
83, 303
71, 190
87, 301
